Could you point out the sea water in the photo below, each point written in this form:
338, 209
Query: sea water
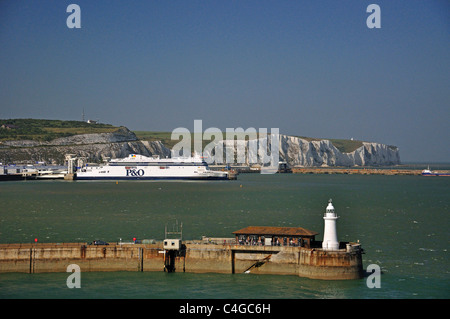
401, 221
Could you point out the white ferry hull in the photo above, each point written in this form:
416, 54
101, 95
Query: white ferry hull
133, 168
152, 178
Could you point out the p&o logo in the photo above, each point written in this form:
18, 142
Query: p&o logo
135, 172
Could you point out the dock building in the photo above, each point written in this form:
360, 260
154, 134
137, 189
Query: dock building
275, 236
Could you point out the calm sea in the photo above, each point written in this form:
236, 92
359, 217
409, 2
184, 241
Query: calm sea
401, 221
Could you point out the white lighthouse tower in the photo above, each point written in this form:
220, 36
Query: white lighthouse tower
330, 241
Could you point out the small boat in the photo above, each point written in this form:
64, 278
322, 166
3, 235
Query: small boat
428, 172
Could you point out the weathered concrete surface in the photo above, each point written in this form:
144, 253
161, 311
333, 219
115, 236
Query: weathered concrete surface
196, 258
320, 264
33, 258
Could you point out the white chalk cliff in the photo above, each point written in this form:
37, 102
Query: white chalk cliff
300, 152
295, 151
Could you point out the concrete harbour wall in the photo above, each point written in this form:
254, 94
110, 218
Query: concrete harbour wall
196, 258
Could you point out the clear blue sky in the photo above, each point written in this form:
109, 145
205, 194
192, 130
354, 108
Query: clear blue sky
309, 68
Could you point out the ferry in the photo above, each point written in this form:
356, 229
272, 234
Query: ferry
17, 172
140, 167
44, 172
428, 172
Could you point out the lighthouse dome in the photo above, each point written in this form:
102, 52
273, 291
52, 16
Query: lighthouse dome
330, 207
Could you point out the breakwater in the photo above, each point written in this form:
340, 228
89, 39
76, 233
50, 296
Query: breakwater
195, 257
358, 171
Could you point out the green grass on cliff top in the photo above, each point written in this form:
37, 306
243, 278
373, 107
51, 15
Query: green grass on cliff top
47, 130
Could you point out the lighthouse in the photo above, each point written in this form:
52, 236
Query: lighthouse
330, 241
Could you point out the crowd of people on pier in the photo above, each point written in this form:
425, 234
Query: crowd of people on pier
254, 240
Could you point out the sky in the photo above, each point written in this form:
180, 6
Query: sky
308, 68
